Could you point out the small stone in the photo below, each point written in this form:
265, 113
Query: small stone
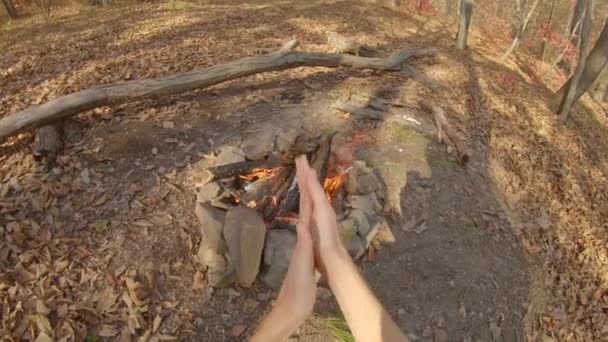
220, 204
208, 192
362, 223
244, 232
384, 233
286, 138
368, 203
361, 179
154, 150
277, 253
221, 278
260, 143
351, 240
229, 155
401, 311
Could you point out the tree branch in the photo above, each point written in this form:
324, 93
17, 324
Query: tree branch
112, 94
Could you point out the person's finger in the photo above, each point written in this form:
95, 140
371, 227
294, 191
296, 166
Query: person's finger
315, 189
305, 216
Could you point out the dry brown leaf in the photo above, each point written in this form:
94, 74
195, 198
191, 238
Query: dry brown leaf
42, 324
134, 288
156, 323
107, 330
43, 337
237, 330
100, 200
41, 308
198, 282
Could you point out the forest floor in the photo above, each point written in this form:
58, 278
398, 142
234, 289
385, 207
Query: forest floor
513, 245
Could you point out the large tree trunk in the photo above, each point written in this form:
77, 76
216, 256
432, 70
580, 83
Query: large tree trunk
10, 8
575, 39
521, 27
595, 63
110, 94
466, 11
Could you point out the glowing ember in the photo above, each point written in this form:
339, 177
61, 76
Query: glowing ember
260, 173
333, 184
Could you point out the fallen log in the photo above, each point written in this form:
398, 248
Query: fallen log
446, 134
112, 94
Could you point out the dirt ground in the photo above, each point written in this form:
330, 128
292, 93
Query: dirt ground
507, 248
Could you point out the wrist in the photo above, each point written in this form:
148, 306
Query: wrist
334, 261
289, 314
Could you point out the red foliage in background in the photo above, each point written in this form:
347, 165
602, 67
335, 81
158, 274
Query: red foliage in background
424, 6
558, 41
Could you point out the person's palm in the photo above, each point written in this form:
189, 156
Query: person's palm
299, 288
324, 224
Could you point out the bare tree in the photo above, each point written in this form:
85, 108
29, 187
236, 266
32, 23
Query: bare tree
577, 16
521, 26
543, 47
595, 62
10, 8
466, 11
587, 70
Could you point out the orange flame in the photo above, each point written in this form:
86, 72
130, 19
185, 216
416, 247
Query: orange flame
333, 184
260, 173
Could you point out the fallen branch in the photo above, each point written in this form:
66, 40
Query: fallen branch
112, 94
446, 134
360, 113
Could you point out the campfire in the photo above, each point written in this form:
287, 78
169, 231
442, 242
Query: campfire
248, 209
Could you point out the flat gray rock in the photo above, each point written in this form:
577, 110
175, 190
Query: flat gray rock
212, 246
244, 232
208, 192
229, 155
368, 203
260, 143
277, 253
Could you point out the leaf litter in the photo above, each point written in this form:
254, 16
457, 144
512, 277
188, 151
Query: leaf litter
56, 279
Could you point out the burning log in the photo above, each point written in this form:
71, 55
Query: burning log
235, 169
319, 163
320, 158
266, 186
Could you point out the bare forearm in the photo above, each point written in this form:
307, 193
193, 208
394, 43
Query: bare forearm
365, 315
277, 326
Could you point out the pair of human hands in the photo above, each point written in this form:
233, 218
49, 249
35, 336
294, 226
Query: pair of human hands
317, 242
